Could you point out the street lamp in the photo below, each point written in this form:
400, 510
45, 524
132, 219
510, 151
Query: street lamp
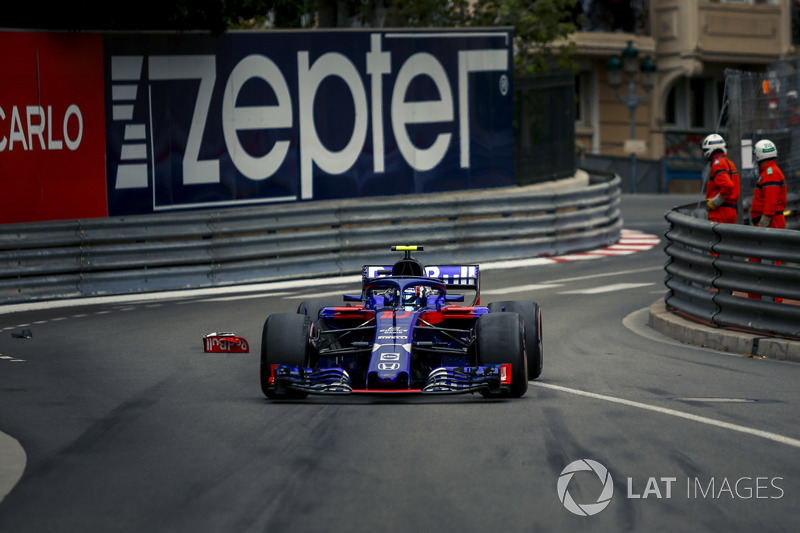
628, 62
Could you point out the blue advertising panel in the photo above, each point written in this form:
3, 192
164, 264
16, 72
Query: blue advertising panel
252, 117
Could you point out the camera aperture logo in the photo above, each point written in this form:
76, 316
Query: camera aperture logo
587, 509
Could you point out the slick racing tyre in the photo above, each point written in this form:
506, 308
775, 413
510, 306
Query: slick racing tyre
284, 341
500, 340
311, 308
532, 316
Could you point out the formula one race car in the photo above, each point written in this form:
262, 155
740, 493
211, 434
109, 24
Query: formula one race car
405, 333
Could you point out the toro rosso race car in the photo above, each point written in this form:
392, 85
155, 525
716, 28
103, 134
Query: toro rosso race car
405, 333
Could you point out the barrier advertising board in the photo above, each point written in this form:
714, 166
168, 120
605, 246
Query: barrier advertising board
136, 123
197, 121
52, 127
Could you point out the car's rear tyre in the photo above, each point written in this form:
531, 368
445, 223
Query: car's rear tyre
500, 340
312, 307
531, 314
284, 341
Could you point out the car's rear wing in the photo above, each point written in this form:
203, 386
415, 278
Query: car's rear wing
453, 276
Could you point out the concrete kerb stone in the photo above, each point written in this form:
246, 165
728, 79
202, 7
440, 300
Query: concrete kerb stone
747, 344
12, 463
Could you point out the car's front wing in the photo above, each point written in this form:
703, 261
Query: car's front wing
443, 380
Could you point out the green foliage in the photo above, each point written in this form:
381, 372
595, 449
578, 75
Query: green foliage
541, 31
265, 14
541, 27
431, 13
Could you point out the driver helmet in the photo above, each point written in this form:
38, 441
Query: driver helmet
415, 295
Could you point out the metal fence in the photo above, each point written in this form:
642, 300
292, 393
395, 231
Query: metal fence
650, 175
544, 127
75, 258
763, 105
711, 272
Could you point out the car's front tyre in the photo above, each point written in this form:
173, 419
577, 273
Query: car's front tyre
531, 314
285, 340
500, 340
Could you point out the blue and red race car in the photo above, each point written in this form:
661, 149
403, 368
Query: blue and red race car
407, 332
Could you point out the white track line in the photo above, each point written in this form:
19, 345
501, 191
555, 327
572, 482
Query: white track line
679, 414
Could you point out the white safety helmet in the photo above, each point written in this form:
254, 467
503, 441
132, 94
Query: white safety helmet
712, 143
765, 149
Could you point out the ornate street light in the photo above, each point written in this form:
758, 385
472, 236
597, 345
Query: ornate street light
628, 62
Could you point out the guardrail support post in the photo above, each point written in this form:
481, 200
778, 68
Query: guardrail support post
734, 90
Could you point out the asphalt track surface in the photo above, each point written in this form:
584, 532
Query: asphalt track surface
128, 426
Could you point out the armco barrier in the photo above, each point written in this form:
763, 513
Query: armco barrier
221, 247
710, 273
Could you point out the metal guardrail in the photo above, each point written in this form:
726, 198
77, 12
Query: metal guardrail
710, 273
64, 259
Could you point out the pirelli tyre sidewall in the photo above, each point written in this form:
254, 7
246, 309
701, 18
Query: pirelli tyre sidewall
532, 316
500, 340
284, 341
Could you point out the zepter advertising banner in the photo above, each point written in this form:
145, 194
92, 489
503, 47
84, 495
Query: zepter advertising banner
198, 121
52, 129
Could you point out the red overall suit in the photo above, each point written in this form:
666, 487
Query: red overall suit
769, 200
723, 181
769, 196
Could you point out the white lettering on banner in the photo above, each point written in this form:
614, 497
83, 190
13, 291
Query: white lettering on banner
36, 130
378, 64
255, 118
473, 61
36, 125
312, 150
73, 111
189, 68
52, 144
404, 113
16, 130
310, 77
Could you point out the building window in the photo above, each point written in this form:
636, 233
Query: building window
610, 16
694, 104
582, 99
697, 102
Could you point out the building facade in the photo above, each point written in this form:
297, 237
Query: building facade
692, 42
